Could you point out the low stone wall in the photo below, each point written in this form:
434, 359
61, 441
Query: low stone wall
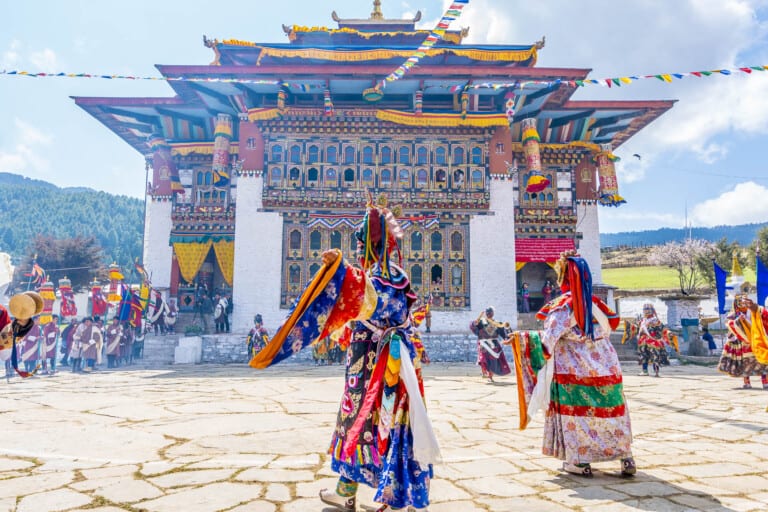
228, 348
441, 348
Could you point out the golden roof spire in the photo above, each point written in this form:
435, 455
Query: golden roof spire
377, 14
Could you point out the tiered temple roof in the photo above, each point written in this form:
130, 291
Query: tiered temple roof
354, 57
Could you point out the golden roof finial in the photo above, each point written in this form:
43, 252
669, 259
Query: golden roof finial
377, 14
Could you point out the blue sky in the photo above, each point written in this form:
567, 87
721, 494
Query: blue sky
706, 156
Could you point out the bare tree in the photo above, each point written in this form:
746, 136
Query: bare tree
683, 257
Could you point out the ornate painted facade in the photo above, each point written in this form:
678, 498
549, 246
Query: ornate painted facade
265, 158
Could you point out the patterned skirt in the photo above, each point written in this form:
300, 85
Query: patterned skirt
491, 364
738, 360
652, 354
383, 458
587, 419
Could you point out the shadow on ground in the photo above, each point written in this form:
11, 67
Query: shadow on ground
641, 492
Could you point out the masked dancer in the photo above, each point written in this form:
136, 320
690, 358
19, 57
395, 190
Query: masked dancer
383, 437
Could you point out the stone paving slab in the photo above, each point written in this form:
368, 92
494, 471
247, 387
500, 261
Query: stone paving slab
229, 438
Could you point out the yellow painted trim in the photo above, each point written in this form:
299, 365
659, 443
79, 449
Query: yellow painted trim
411, 119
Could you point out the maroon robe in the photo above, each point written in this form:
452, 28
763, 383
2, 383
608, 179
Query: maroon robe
90, 339
30, 344
114, 336
50, 337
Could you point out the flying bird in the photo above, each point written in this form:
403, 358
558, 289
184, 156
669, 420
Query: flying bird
637, 156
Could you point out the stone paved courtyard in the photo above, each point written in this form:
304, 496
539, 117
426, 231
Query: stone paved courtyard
210, 438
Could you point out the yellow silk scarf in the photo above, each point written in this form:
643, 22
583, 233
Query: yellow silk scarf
758, 337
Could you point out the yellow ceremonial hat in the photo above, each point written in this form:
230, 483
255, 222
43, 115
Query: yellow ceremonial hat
38, 301
22, 306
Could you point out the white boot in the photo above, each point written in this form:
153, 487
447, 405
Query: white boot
342, 503
580, 469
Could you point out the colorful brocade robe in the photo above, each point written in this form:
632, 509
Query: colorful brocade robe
738, 359
578, 381
587, 419
383, 437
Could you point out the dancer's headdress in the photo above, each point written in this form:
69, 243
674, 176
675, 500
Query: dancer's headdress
378, 236
738, 303
648, 310
573, 275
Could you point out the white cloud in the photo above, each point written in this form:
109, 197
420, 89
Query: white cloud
663, 36
744, 204
24, 155
11, 57
17, 56
44, 60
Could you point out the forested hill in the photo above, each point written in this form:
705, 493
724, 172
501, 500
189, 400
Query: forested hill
744, 234
31, 207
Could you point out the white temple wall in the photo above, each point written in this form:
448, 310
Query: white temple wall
589, 245
491, 264
158, 253
258, 259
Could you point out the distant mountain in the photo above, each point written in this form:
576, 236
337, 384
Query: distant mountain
744, 234
6, 178
31, 207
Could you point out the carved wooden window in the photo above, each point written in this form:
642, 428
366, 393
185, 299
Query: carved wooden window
313, 175
440, 177
477, 179
315, 240
330, 177
313, 155
368, 177
294, 274
422, 177
349, 155
416, 241
295, 240
296, 154
385, 178
313, 268
440, 156
404, 155
422, 156
457, 242
335, 240
349, 176
331, 154
386, 155
477, 156
458, 178
352, 243
294, 174
367, 155
276, 176
200, 177
404, 178
436, 276
458, 156
456, 276
277, 154
416, 275
437, 241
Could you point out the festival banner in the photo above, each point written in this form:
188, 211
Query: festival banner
720, 277
762, 281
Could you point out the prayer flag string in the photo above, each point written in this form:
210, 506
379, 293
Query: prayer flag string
304, 87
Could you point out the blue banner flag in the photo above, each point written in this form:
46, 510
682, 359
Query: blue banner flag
762, 282
720, 275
